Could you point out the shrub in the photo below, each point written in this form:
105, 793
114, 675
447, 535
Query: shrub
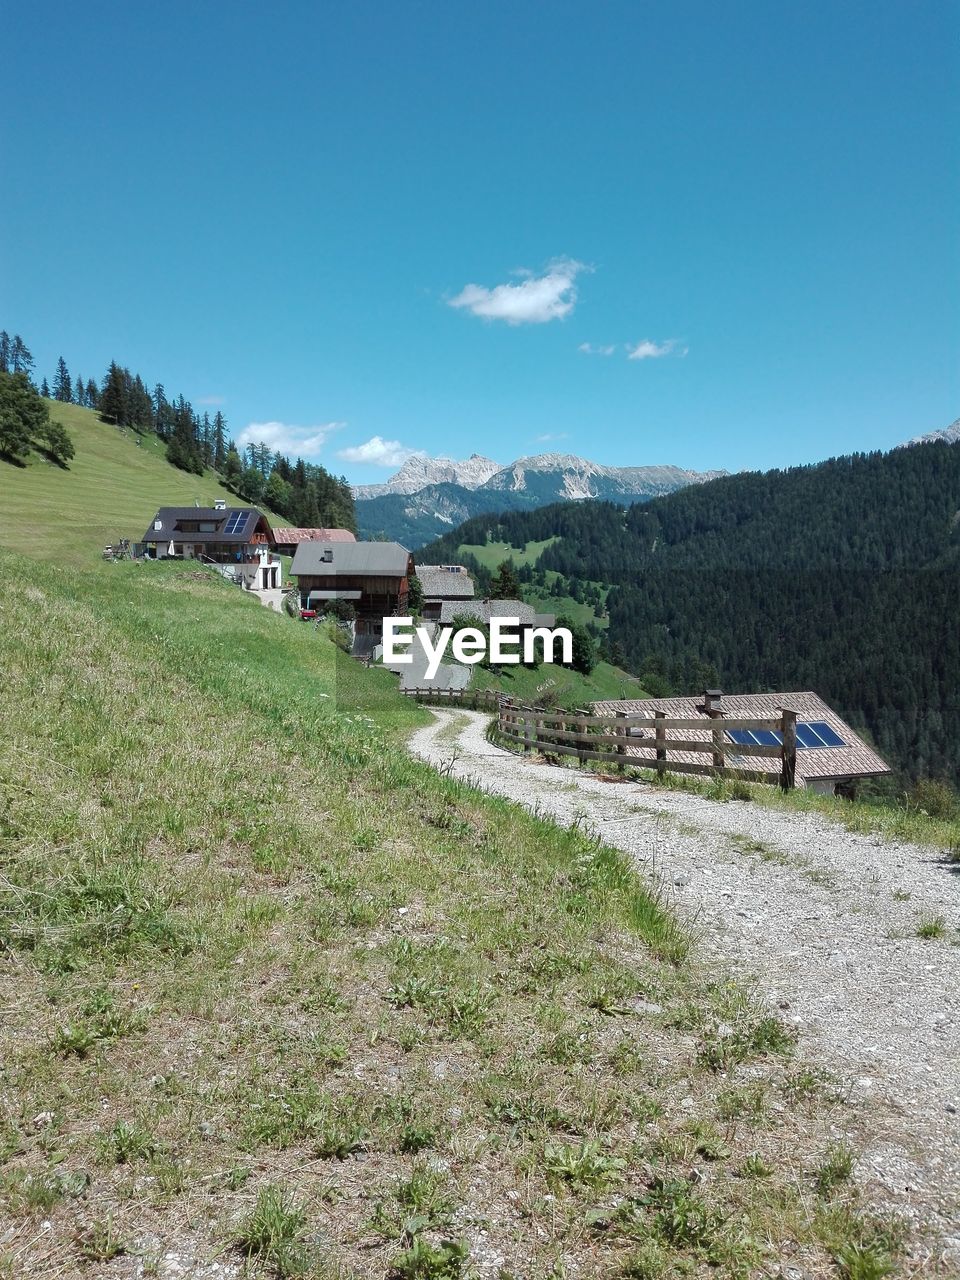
936, 798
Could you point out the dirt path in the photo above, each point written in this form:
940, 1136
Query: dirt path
825, 921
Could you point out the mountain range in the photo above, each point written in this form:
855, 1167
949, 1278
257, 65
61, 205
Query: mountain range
428, 495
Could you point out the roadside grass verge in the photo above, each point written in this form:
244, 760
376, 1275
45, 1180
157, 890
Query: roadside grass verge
901, 820
276, 993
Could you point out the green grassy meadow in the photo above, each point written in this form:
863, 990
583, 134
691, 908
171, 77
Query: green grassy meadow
566, 688
281, 998
262, 967
114, 486
493, 554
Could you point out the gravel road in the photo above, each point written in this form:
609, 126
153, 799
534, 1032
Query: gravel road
826, 923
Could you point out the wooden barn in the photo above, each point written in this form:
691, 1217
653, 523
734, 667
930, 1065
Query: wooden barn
373, 576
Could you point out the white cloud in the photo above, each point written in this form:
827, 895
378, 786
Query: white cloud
649, 350
535, 300
377, 452
282, 437
589, 349
551, 435
211, 400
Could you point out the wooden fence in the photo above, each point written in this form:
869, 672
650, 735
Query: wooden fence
473, 699
644, 741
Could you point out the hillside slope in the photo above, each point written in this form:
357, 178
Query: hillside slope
114, 485
246, 942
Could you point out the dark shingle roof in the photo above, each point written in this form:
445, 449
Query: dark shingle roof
350, 558
170, 517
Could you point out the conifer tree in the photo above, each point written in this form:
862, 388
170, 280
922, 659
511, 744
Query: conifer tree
113, 397
505, 585
219, 441
232, 467
21, 361
78, 390
92, 396
6, 351
45, 388
62, 384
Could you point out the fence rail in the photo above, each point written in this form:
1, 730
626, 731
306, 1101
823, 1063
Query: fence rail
474, 699
644, 742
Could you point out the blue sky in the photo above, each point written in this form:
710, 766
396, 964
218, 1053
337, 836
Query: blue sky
284, 209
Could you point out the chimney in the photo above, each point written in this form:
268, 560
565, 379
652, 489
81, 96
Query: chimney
219, 504
711, 702
327, 556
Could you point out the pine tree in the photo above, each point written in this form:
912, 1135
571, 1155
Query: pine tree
62, 383
92, 397
21, 361
219, 442
112, 400
505, 585
232, 468
139, 404
78, 391
6, 351
45, 388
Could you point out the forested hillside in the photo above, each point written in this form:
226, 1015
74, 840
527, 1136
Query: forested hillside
841, 577
300, 492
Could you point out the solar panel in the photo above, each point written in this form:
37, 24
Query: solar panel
827, 736
806, 737
768, 738
236, 522
742, 737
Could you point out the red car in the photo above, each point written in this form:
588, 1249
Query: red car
307, 614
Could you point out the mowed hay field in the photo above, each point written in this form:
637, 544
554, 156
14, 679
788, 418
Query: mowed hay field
112, 489
280, 999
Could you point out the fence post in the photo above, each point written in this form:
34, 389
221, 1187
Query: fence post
711, 705
580, 728
527, 730
788, 767
622, 745
661, 733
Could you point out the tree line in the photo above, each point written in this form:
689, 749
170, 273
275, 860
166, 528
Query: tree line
304, 493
